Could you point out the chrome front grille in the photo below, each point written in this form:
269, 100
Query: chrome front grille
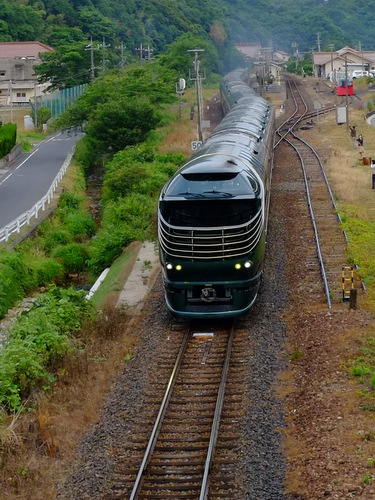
210, 243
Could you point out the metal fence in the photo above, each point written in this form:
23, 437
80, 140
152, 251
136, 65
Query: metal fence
59, 100
25, 219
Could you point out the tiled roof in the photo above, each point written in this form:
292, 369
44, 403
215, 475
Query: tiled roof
321, 58
13, 50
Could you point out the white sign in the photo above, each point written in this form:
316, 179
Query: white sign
340, 114
195, 145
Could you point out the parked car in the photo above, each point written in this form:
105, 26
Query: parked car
359, 73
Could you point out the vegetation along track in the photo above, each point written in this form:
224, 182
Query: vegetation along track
327, 257
189, 450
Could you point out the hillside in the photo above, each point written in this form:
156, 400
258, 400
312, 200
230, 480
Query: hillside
160, 22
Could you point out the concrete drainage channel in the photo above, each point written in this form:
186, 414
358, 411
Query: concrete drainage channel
140, 280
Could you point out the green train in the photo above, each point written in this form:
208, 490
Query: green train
212, 214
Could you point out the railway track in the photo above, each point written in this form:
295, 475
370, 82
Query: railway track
188, 446
321, 222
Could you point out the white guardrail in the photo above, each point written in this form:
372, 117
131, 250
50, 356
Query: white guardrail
25, 219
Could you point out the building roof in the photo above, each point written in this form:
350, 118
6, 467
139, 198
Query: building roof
322, 58
249, 49
15, 50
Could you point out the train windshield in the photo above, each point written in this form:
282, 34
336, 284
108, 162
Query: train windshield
209, 213
212, 185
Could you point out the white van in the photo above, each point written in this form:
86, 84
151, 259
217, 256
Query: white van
359, 73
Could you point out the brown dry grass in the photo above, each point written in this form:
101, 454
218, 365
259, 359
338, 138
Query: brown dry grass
178, 136
18, 116
36, 448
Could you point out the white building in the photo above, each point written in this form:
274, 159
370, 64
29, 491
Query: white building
18, 82
335, 64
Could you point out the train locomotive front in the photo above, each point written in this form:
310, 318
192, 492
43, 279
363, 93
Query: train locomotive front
212, 216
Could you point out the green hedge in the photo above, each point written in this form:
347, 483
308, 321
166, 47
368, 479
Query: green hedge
8, 136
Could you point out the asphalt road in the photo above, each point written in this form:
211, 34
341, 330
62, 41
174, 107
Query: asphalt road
26, 180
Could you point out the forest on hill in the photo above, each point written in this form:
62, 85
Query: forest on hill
157, 23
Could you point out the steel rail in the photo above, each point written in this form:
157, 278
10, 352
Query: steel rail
321, 166
216, 422
159, 418
309, 201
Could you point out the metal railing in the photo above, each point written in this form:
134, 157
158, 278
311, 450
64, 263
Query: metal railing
25, 219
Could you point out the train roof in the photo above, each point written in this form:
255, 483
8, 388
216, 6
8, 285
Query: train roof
212, 162
212, 176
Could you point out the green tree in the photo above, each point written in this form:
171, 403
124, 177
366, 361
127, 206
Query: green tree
44, 114
177, 57
67, 66
120, 123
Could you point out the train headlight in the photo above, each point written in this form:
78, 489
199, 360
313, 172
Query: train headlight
248, 264
237, 266
169, 266
178, 267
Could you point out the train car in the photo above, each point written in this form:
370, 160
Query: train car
343, 89
212, 214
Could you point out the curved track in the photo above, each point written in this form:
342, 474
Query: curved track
330, 240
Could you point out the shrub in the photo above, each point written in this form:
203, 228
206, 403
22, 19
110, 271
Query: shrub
16, 279
8, 136
73, 257
39, 337
70, 200
55, 238
50, 271
79, 223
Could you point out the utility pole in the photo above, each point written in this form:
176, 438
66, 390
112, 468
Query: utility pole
140, 50
121, 47
331, 47
180, 90
35, 107
346, 94
295, 47
103, 46
145, 50
198, 83
318, 41
91, 48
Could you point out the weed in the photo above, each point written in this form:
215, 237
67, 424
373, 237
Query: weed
296, 355
370, 463
367, 479
366, 407
368, 436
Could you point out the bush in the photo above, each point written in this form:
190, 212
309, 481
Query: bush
50, 271
79, 223
104, 249
8, 136
16, 280
39, 338
70, 200
73, 257
57, 237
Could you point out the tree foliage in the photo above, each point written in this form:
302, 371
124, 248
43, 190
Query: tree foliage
159, 23
119, 109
